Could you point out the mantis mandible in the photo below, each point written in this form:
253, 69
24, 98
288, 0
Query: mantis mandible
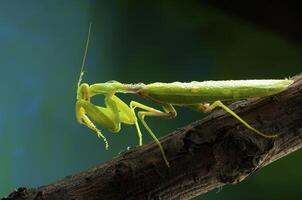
201, 96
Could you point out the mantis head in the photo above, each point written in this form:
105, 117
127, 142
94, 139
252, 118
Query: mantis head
83, 92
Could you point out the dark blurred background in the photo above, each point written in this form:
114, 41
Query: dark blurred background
41, 48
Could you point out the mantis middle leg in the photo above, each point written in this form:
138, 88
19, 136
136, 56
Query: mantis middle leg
169, 112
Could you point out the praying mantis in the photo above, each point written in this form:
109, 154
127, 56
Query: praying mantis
201, 96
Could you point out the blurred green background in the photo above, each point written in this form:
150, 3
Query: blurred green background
41, 48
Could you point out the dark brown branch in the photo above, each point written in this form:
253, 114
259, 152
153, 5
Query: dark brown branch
204, 155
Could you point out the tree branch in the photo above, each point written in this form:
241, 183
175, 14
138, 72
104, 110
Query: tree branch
206, 154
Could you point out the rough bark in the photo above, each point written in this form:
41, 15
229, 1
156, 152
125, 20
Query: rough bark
206, 154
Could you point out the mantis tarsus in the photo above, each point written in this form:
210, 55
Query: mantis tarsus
201, 96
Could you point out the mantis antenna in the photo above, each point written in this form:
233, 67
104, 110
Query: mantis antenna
85, 55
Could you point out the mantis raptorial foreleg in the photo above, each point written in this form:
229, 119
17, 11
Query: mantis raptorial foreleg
109, 117
169, 112
208, 108
84, 119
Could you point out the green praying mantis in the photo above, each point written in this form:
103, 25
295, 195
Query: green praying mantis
201, 96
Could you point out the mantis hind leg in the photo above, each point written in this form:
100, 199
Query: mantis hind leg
169, 112
208, 108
